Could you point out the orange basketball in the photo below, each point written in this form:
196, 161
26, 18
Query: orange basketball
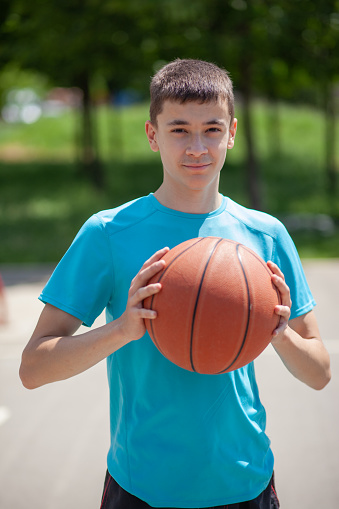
215, 308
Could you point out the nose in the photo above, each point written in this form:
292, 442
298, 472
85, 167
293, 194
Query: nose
196, 146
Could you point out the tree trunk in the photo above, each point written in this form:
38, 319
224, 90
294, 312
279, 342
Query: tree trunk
273, 129
88, 151
253, 174
330, 132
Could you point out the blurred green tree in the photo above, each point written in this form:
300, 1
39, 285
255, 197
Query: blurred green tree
267, 46
5, 57
313, 46
72, 41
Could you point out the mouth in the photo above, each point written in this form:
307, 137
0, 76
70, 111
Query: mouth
196, 166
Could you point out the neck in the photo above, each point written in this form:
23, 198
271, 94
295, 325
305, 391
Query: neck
194, 202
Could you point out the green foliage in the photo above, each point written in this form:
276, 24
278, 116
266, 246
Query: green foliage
286, 43
282, 50
44, 202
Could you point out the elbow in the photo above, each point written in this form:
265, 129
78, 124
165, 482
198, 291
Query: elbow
323, 381
26, 380
26, 375
322, 376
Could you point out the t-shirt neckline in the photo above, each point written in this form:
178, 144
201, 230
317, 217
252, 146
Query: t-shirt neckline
174, 212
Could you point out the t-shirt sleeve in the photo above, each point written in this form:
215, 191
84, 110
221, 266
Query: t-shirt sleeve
83, 281
286, 256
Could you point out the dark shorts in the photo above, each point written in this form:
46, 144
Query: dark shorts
115, 497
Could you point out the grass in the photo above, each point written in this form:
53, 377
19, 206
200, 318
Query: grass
44, 198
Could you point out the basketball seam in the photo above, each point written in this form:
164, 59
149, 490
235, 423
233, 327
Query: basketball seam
197, 301
160, 278
248, 313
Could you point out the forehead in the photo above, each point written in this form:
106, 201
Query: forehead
191, 112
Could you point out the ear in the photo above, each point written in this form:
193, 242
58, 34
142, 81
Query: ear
151, 136
232, 133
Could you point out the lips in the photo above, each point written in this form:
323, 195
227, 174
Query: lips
196, 166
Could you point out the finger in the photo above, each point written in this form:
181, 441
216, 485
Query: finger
144, 313
283, 289
278, 280
148, 314
275, 269
155, 257
144, 292
281, 327
144, 275
284, 313
153, 265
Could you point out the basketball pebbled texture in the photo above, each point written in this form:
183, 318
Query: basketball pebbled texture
215, 311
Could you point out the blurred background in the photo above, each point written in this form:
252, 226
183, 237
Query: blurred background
74, 79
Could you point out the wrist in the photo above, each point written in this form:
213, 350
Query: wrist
119, 330
124, 333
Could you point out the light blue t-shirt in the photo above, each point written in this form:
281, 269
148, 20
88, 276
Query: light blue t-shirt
178, 439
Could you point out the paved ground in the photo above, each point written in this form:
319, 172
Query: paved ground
53, 441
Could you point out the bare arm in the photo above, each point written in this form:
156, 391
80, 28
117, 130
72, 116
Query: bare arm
53, 353
298, 341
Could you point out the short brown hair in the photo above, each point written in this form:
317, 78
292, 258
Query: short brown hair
190, 80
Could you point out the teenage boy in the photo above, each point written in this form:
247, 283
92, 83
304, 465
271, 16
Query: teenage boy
178, 439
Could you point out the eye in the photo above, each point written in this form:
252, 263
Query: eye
214, 130
178, 130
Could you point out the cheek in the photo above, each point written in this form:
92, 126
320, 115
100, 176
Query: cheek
171, 148
220, 147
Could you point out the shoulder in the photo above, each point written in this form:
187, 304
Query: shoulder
113, 220
255, 220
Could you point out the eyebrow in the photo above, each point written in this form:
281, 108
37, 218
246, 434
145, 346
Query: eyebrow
184, 122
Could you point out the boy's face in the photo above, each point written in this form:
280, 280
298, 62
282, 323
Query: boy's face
192, 139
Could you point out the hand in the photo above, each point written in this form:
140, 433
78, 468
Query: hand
132, 320
284, 309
